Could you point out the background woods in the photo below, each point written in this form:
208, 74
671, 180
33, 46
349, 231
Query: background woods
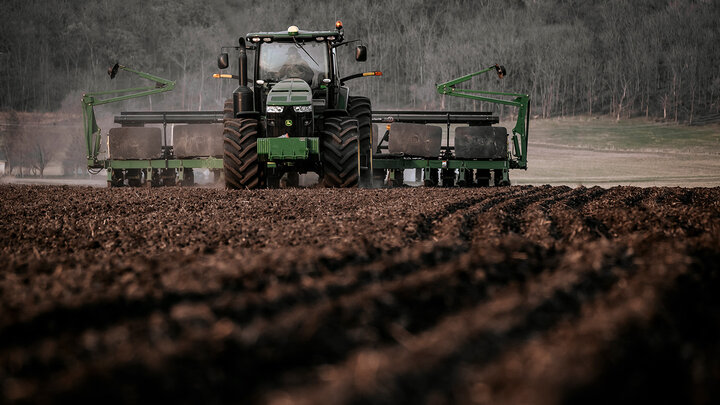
619, 57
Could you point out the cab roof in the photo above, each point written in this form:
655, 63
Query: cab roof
301, 34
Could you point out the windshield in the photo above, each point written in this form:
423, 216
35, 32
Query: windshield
285, 60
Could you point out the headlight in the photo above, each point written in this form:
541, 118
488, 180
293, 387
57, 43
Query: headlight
274, 109
303, 108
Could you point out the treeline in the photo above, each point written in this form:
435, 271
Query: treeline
620, 57
29, 142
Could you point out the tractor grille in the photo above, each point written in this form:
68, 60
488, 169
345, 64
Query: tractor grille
300, 124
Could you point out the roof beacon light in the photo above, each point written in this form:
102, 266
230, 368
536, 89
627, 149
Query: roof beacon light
338, 24
293, 30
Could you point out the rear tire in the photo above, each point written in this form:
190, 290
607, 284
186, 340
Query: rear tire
360, 108
240, 159
228, 109
339, 152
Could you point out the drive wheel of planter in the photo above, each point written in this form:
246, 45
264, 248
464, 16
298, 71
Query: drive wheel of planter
188, 177
156, 179
272, 181
339, 152
134, 177
217, 176
240, 159
433, 179
169, 177
483, 177
379, 176
498, 180
293, 179
448, 177
117, 178
361, 109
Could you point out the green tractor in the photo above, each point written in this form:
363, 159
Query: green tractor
297, 115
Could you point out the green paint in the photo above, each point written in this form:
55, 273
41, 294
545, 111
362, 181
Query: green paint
290, 92
521, 101
205, 163
92, 130
288, 148
439, 164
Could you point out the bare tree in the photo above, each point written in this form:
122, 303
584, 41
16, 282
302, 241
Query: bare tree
615, 57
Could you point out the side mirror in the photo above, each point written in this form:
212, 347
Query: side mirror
361, 53
113, 71
223, 61
500, 70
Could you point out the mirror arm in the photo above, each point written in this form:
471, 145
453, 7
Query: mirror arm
357, 75
346, 43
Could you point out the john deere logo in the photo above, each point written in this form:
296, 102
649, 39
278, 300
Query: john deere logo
288, 123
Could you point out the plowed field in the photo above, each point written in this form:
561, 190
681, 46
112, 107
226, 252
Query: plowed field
512, 295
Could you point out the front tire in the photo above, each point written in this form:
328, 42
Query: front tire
340, 154
240, 159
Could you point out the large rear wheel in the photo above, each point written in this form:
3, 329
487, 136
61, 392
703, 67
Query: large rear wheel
361, 109
339, 152
240, 159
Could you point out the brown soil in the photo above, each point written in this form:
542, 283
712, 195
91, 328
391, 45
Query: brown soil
539, 295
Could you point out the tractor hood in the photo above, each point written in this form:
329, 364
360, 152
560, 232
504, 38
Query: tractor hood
290, 92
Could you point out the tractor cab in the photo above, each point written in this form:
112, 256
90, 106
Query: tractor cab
291, 56
289, 60
306, 65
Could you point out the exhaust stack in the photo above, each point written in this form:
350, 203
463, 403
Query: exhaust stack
243, 96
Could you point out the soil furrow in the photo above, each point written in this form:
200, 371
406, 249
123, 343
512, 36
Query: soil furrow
433, 295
